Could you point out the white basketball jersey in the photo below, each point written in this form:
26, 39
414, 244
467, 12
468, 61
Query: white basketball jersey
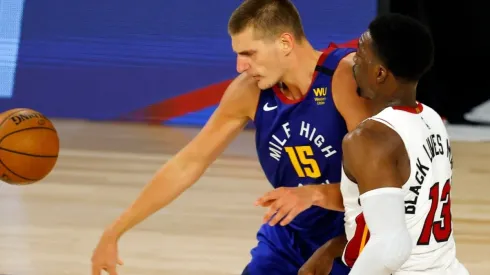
427, 194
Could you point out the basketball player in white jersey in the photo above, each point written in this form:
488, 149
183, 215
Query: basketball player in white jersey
397, 176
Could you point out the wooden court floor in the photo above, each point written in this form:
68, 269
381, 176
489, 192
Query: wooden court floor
51, 227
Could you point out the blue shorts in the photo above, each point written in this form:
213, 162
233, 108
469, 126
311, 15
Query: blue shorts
283, 250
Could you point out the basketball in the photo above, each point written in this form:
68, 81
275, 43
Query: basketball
29, 146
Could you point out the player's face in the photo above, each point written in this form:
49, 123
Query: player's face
259, 58
370, 75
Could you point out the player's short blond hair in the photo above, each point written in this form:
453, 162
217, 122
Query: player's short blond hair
268, 18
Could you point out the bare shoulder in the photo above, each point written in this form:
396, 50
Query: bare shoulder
347, 62
372, 140
371, 155
343, 78
353, 108
343, 73
241, 96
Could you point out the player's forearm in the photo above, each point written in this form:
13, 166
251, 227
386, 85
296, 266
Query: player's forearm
389, 244
328, 196
336, 246
167, 184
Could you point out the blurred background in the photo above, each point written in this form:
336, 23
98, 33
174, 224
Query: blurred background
170, 61
165, 61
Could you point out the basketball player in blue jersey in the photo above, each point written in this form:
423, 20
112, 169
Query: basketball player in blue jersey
302, 102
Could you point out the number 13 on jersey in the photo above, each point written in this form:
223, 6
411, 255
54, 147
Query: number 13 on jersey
303, 162
441, 229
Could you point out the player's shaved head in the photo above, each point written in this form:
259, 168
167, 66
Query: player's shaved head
268, 18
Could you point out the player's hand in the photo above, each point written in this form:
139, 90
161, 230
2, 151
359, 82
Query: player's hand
285, 203
320, 263
105, 256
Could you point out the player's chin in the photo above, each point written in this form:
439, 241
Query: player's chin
264, 84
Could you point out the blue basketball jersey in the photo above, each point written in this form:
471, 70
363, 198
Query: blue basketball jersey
300, 142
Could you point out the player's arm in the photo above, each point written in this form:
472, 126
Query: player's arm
334, 248
354, 110
371, 154
185, 168
321, 262
328, 196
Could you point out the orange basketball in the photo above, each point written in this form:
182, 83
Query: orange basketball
29, 146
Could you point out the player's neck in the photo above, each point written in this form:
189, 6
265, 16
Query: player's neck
302, 67
404, 95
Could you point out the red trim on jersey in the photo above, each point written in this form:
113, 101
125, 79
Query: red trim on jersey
283, 98
354, 43
321, 60
413, 110
355, 246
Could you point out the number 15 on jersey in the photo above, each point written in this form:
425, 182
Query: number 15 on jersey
303, 162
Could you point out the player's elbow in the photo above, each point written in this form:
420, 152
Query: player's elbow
183, 170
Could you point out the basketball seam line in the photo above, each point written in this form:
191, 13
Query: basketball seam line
9, 116
27, 154
25, 129
6, 167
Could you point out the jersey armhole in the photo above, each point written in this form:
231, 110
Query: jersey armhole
382, 121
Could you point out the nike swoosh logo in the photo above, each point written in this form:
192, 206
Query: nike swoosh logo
268, 108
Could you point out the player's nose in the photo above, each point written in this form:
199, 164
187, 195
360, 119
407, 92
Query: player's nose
241, 65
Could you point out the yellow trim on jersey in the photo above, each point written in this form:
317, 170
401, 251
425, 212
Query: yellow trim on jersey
364, 238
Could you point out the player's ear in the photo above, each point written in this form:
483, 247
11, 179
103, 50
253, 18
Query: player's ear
286, 43
381, 74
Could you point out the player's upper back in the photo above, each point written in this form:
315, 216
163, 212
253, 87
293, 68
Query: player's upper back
426, 141
425, 138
